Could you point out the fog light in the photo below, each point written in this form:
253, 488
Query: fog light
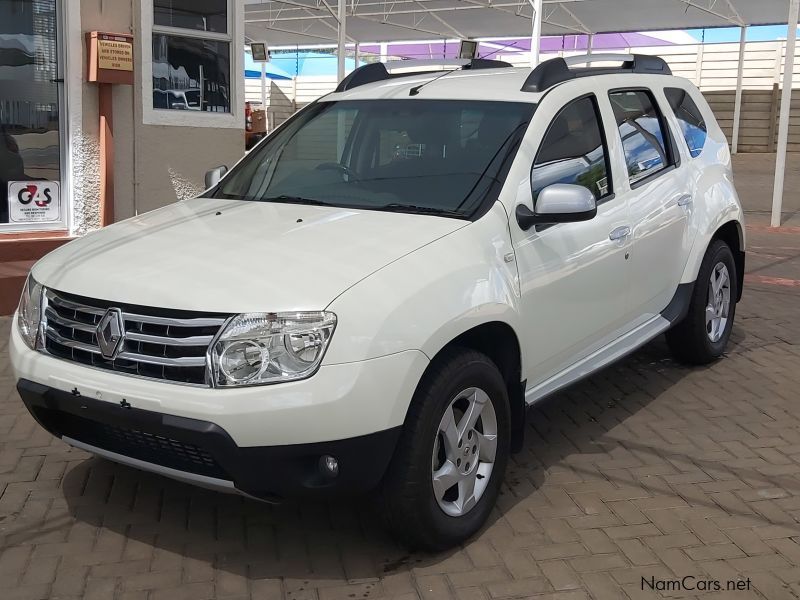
329, 465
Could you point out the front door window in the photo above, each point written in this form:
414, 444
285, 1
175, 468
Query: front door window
30, 137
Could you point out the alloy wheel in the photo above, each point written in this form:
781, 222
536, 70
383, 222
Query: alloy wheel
719, 302
464, 452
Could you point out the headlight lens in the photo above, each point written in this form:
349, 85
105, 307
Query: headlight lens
30, 312
259, 348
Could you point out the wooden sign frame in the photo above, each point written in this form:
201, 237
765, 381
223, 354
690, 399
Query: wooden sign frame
98, 45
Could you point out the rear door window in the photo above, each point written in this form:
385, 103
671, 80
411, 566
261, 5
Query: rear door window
643, 131
693, 126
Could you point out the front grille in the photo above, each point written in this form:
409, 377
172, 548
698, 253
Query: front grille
160, 344
142, 445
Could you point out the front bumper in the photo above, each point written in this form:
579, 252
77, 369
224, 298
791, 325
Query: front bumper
203, 453
340, 401
265, 441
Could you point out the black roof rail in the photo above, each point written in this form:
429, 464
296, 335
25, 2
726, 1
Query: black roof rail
557, 70
369, 73
377, 71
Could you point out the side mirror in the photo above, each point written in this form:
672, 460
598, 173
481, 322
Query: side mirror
214, 175
558, 203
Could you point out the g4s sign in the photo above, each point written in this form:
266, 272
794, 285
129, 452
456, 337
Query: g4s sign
34, 201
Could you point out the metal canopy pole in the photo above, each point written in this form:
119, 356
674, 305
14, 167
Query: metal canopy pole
264, 86
536, 30
737, 105
342, 18
783, 120
589, 41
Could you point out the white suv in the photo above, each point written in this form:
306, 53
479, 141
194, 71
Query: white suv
376, 293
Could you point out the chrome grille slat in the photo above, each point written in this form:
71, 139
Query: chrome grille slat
194, 340
53, 316
199, 361
169, 322
54, 335
163, 345
59, 301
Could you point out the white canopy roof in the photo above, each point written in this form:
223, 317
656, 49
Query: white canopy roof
283, 22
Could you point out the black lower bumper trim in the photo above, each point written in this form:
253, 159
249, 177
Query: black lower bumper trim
204, 448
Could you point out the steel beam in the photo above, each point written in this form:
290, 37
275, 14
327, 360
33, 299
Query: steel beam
536, 30
737, 104
340, 50
783, 119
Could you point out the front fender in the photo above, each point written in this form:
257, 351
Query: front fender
429, 297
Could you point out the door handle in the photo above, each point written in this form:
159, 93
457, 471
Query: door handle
684, 200
619, 233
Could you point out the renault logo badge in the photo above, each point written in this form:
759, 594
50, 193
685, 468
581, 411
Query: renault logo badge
110, 333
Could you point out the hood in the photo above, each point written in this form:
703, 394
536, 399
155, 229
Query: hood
229, 256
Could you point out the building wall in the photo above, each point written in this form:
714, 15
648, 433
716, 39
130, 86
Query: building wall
153, 165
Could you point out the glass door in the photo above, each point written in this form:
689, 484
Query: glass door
30, 117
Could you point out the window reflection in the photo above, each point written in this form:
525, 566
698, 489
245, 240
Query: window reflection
29, 116
640, 129
693, 125
572, 151
191, 74
438, 154
205, 15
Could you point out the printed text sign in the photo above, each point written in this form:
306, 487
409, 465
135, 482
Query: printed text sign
34, 201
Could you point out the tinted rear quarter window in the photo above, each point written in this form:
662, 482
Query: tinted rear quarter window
693, 126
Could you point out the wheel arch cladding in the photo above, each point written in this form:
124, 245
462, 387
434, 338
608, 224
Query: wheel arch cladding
500, 343
731, 233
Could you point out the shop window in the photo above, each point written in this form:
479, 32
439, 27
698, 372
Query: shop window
192, 55
204, 15
31, 131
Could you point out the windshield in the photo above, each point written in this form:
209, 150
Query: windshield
431, 156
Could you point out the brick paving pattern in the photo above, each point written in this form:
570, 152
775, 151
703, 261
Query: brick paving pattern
647, 470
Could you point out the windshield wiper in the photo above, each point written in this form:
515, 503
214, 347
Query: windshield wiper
421, 210
294, 200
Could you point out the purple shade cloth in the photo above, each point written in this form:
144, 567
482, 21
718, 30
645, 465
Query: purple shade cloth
601, 41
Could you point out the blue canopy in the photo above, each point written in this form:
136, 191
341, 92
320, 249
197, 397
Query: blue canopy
310, 63
252, 69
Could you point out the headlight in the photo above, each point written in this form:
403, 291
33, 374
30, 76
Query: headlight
29, 312
259, 348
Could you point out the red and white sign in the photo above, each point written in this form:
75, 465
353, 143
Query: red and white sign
34, 201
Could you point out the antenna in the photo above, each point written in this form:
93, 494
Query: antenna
415, 90
475, 63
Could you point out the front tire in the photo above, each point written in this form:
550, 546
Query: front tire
704, 333
451, 458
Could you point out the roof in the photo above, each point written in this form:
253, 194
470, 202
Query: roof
282, 22
496, 84
483, 84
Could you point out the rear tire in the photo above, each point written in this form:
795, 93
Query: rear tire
446, 473
701, 337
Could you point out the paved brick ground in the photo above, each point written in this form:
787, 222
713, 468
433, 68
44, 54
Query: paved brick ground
647, 470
